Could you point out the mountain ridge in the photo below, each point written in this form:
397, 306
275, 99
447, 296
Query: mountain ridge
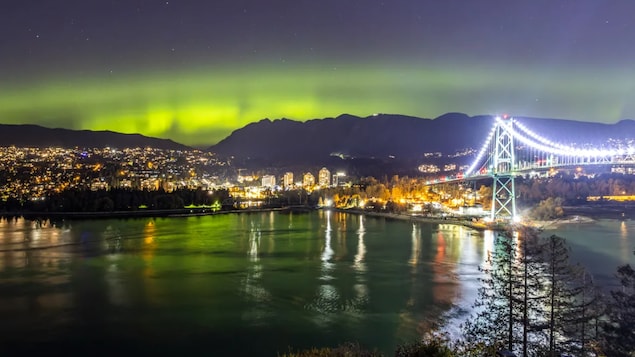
31, 135
288, 142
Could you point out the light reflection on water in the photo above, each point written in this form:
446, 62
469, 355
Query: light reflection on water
359, 264
273, 279
624, 243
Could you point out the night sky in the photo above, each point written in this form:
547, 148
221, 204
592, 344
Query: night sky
193, 71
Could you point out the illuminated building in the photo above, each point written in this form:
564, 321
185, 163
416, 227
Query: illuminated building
449, 167
268, 181
308, 180
324, 177
429, 168
287, 179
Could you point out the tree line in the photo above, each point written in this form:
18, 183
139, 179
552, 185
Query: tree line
78, 200
534, 302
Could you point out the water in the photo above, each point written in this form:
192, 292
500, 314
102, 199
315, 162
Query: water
600, 247
238, 284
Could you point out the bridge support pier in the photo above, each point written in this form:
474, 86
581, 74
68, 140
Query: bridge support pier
503, 198
503, 190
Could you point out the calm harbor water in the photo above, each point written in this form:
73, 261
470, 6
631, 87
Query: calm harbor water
600, 247
245, 284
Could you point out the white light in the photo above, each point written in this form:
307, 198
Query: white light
481, 152
556, 148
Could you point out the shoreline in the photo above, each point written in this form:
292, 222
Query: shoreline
184, 212
197, 212
556, 223
421, 219
574, 215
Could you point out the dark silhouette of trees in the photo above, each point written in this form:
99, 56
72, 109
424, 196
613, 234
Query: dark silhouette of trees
77, 200
496, 312
572, 304
572, 189
533, 300
619, 331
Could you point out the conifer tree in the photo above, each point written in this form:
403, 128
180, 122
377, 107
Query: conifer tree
571, 303
508, 298
493, 323
532, 299
620, 329
530, 290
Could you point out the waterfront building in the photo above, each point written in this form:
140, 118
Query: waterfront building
268, 181
308, 180
287, 180
324, 177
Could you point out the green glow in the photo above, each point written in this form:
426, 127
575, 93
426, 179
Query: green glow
202, 106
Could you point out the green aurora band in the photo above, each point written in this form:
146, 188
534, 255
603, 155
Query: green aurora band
201, 106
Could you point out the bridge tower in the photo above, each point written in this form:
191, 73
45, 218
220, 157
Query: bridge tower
503, 191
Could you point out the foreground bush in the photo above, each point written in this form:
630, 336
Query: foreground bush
429, 347
347, 350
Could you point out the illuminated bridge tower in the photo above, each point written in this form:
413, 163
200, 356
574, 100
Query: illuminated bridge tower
503, 192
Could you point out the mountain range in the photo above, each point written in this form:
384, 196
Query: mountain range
381, 138
283, 141
39, 136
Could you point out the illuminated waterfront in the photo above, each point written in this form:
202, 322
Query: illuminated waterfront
250, 284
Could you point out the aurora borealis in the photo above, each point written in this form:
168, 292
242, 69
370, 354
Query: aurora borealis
193, 71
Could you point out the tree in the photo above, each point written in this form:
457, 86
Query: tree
548, 209
619, 338
530, 291
104, 204
532, 300
571, 301
495, 317
485, 194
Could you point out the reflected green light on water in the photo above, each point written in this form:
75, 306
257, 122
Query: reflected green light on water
245, 284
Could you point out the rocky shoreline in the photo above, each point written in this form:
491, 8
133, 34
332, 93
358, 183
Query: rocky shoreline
556, 223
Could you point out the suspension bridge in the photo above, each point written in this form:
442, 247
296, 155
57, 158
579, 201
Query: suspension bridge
512, 149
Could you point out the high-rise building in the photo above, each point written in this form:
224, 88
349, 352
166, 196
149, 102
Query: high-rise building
324, 177
287, 179
308, 180
268, 181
